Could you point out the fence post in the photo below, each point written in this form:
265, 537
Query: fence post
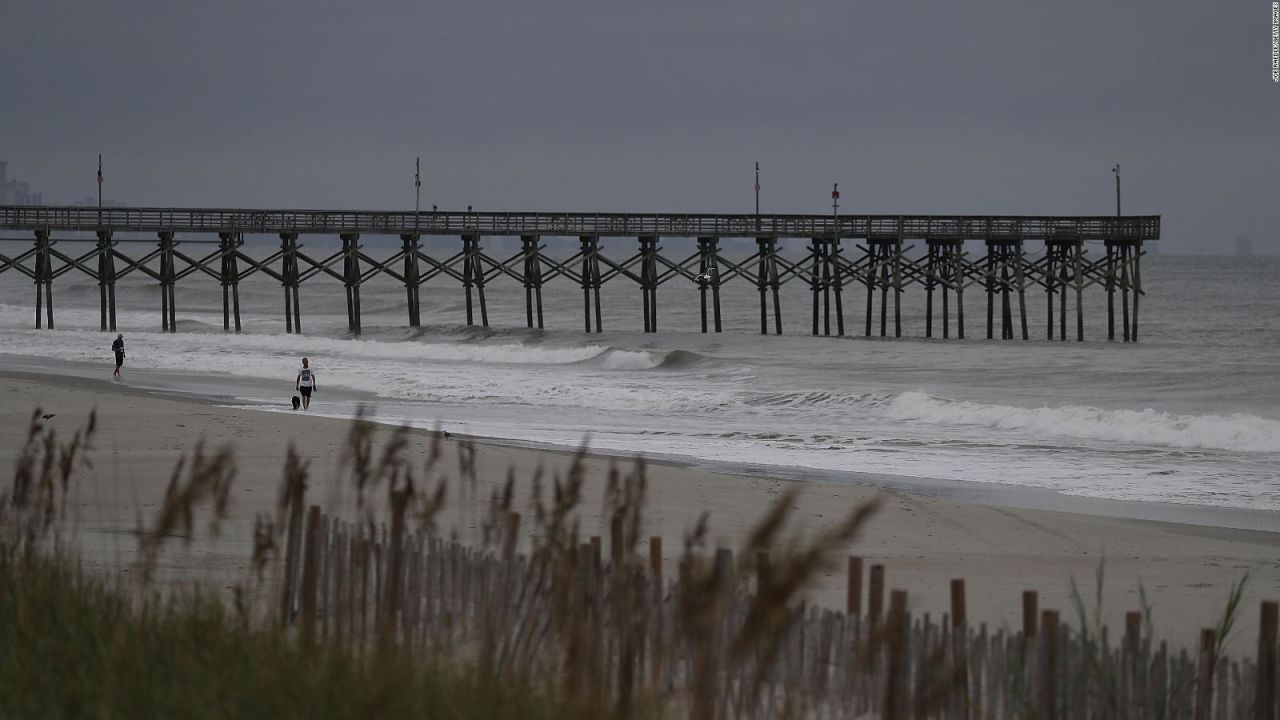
1132, 632
875, 596
1204, 677
309, 573
895, 686
959, 644
763, 571
1266, 700
1030, 609
875, 608
616, 542
513, 535
595, 553
292, 536
1129, 673
1047, 700
724, 563
853, 591
392, 581
957, 602
657, 652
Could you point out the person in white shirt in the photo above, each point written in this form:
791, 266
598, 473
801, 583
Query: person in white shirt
306, 383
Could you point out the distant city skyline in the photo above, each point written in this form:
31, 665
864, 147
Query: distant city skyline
16, 192
19, 192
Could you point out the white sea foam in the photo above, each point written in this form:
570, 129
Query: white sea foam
436, 372
1106, 420
433, 372
1239, 432
75, 345
616, 359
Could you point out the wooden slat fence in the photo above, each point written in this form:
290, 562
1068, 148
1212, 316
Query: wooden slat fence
615, 631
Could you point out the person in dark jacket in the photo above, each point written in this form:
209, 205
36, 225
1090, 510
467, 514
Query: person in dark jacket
117, 347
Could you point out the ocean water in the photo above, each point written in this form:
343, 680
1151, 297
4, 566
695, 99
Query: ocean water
1188, 415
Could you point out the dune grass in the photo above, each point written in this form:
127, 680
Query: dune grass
560, 632
72, 646
75, 645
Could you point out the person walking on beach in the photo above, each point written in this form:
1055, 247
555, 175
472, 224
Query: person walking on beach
306, 383
117, 347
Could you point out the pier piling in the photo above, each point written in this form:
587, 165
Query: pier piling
1137, 285
1124, 289
649, 281
1020, 274
1064, 261
990, 272
897, 284
473, 276
591, 279
532, 278
229, 273
235, 282
351, 279
709, 277
44, 277
106, 281
289, 271
930, 281
766, 281
885, 262
168, 304
1050, 280
1077, 248
412, 279
1001, 281
823, 280
869, 279
838, 273
825, 248
957, 260
1110, 274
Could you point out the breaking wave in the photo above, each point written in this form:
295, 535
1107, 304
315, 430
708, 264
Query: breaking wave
1238, 432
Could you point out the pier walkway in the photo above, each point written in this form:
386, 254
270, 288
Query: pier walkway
845, 253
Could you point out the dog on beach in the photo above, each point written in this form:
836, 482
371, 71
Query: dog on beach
297, 402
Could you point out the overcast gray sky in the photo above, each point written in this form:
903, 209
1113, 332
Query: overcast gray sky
918, 107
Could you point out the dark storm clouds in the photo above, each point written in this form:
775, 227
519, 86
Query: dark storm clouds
999, 107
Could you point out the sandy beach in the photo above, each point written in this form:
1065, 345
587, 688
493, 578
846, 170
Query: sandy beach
924, 541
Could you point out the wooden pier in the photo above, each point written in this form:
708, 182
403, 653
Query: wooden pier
872, 253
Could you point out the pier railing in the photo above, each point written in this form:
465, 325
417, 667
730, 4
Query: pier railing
332, 222
844, 253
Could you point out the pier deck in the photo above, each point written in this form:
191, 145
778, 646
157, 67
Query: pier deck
1005, 228
878, 261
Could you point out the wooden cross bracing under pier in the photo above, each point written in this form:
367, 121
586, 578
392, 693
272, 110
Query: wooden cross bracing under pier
878, 254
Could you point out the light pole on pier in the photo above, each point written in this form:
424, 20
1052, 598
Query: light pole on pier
835, 200
99, 183
417, 192
757, 196
757, 189
1116, 170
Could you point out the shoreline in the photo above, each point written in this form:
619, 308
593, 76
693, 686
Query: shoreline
924, 537
1009, 495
